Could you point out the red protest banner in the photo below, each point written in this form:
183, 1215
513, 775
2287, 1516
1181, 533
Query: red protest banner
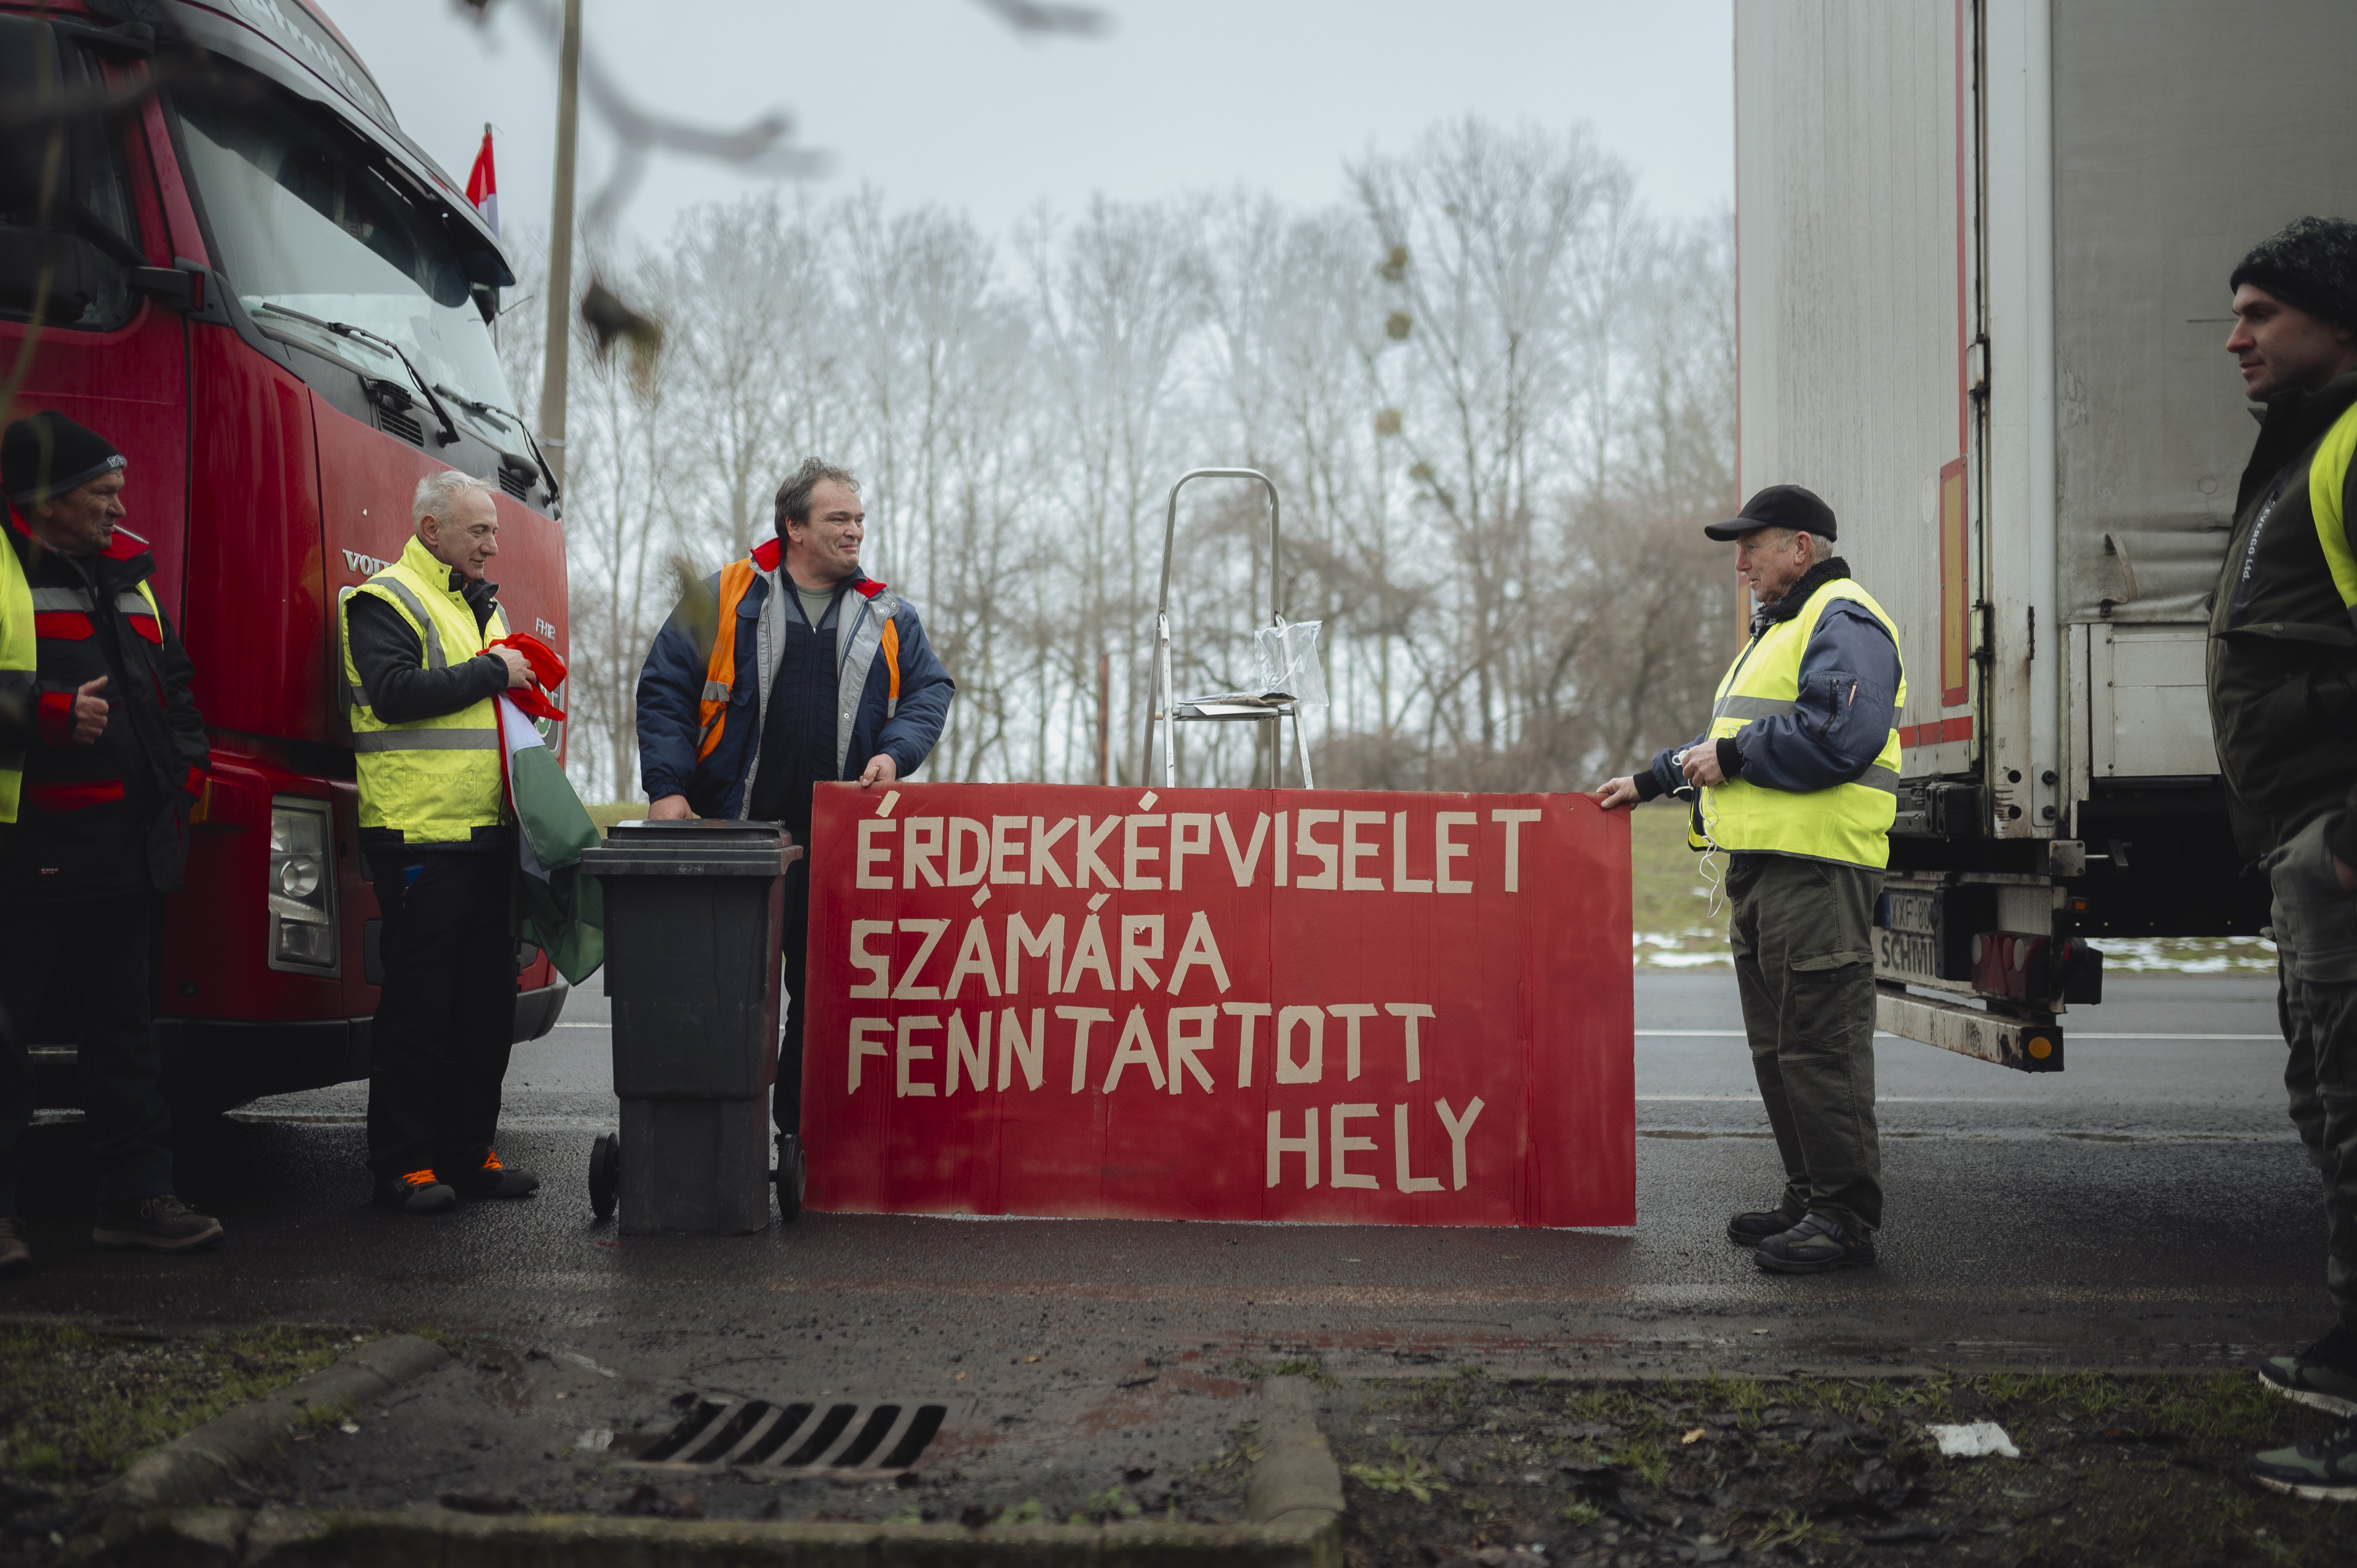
1220, 1005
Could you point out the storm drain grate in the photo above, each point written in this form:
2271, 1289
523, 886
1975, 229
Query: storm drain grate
800, 1435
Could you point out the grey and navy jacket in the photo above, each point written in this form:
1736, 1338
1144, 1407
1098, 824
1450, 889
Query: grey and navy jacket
1822, 741
893, 705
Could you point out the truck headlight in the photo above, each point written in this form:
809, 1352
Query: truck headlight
301, 890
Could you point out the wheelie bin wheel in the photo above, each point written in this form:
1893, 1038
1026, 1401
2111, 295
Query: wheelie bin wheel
605, 1173
791, 1177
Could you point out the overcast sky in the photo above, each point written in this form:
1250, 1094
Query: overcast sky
939, 101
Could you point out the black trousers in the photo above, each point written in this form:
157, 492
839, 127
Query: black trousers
446, 1017
98, 953
786, 1096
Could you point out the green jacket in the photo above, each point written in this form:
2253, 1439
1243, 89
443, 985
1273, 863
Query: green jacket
2283, 644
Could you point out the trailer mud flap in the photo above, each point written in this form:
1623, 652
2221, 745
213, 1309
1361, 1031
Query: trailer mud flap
2009, 1042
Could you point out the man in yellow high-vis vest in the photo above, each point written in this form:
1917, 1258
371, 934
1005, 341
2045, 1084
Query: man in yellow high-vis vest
1797, 779
424, 683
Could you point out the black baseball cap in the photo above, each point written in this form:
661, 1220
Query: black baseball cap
1778, 505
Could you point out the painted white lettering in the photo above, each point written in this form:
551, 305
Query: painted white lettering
1085, 857
1354, 852
1280, 847
1351, 1012
1401, 881
1080, 1018
1013, 1048
1200, 951
908, 990
1340, 1146
1242, 865
1288, 1069
1047, 942
1403, 1176
1007, 844
1458, 1129
920, 845
1409, 1011
877, 965
972, 1054
1514, 821
1043, 843
1135, 854
1305, 1146
1136, 1045
861, 1046
1311, 848
974, 957
1185, 1042
910, 1054
872, 854
1445, 849
1250, 1013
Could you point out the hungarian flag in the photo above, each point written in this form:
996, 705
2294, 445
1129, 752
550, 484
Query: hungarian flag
483, 186
557, 909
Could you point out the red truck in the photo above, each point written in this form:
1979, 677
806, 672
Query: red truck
280, 309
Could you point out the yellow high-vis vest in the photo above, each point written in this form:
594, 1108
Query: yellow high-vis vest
433, 780
20, 655
1849, 822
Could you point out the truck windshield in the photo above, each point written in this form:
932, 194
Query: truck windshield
308, 219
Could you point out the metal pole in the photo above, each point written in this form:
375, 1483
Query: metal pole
560, 244
1104, 718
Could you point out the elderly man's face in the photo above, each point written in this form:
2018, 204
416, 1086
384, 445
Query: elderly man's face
466, 540
81, 522
2280, 347
826, 549
1772, 559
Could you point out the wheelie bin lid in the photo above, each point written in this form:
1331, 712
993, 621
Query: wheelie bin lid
695, 847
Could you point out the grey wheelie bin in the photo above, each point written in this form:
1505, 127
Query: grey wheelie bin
693, 914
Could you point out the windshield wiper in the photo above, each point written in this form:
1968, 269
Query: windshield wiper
449, 431
514, 421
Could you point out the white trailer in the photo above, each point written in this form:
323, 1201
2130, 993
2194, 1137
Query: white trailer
1982, 252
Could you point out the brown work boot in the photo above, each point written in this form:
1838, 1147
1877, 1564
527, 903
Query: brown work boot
490, 1179
160, 1224
16, 1257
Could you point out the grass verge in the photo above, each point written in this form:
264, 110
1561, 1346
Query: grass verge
78, 1405
1460, 1470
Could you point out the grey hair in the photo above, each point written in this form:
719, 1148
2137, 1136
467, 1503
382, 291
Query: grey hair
794, 495
438, 492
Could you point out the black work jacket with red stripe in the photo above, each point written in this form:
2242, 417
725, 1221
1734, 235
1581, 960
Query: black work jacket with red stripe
108, 820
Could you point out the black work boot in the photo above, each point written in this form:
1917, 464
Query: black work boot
160, 1224
15, 1256
1755, 1226
490, 1179
419, 1192
1817, 1244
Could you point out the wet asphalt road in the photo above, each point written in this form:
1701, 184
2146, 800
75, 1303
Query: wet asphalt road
2147, 1206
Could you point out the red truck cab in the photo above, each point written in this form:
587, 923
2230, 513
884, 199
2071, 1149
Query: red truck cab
279, 308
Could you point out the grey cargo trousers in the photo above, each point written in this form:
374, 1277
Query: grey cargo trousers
2316, 957
1802, 931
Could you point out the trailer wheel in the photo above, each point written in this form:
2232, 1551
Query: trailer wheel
605, 1173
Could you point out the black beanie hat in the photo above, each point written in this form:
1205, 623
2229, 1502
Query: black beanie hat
2311, 264
46, 455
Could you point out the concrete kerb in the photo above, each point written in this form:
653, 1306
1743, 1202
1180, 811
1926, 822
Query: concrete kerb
1293, 1506
195, 1466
